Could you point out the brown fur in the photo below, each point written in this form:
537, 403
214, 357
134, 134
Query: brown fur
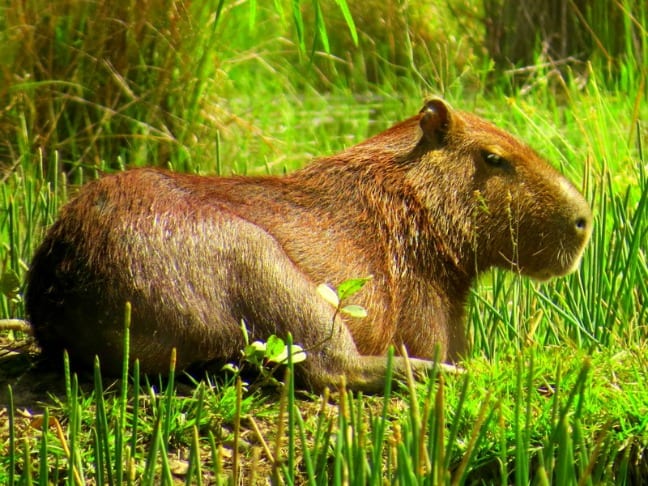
423, 207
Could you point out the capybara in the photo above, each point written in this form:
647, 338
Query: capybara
423, 207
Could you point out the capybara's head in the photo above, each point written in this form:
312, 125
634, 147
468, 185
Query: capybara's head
502, 203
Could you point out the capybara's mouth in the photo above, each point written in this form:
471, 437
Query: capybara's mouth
539, 267
566, 263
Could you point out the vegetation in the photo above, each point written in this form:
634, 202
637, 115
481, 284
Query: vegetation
554, 389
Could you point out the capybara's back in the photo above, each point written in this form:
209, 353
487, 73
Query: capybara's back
423, 207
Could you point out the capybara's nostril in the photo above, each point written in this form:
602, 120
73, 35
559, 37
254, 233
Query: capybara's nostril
582, 224
583, 221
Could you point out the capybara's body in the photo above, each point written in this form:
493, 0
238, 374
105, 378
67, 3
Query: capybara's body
423, 207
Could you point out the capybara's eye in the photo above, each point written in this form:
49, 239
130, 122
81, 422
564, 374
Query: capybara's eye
493, 159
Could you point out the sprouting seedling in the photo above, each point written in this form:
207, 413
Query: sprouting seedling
345, 290
266, 356
274, 351
336, 297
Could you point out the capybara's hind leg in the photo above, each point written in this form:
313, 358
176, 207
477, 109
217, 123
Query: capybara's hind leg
273, 296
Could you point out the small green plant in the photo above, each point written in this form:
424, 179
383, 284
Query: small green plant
346, 289
267, 356
336, 297
272, 352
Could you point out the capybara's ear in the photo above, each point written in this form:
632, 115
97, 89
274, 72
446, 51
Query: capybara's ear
436, 121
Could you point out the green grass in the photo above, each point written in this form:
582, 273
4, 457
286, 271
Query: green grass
555, 384
544, 413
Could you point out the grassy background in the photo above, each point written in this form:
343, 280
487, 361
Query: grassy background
555, 385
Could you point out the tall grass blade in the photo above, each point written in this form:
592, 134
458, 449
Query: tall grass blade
169, 399
134, 426
12, 436
454, 426
43, 452
298, 20
290, 384
379, 425
194, 452
27, 474
348, 18
102, 432
149, 476
237, 431
521, 432
123, 399
478, 432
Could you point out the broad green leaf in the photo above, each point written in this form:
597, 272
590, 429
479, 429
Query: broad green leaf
9, 284
298, 355
354, 310
328, 294
274, 347
352, 286
255, 350
230, 367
